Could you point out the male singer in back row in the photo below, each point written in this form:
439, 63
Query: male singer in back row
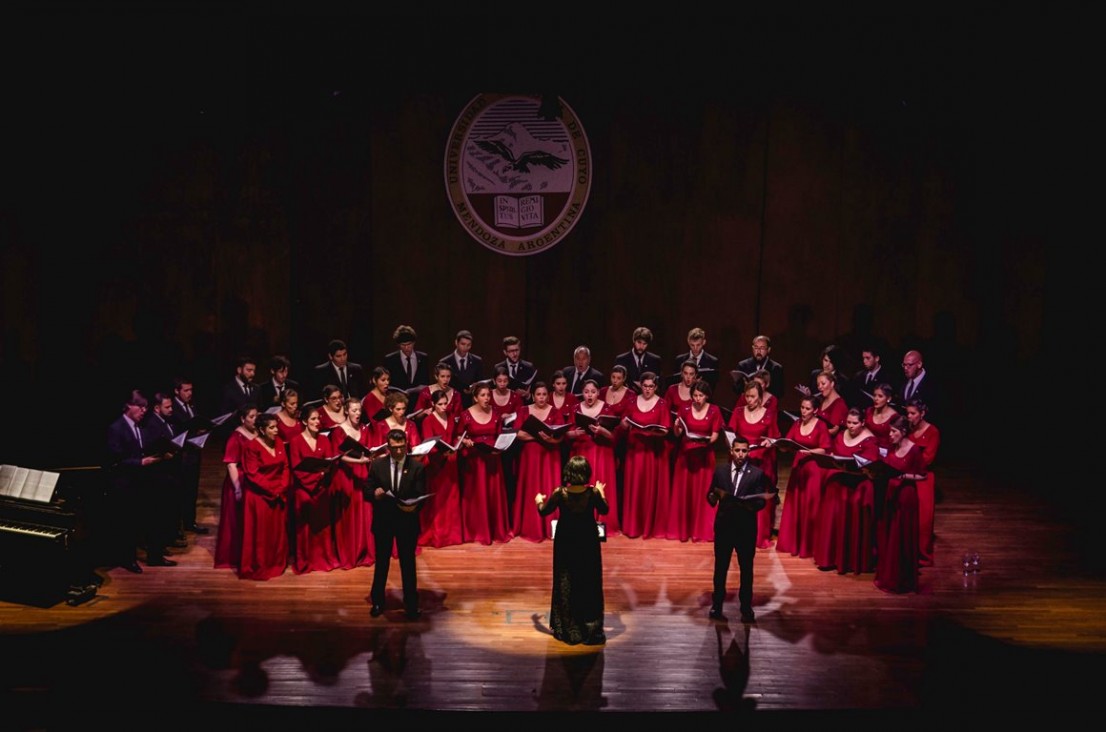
739, 489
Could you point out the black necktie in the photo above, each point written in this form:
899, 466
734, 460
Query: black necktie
909, 388
410, 371
736, 480
138, 436
246, 389
871, 377
342, 376
513, 367
463, 364
395, 477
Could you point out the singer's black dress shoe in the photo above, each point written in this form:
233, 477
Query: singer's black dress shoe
376, 611
132, 567
716, 614
160, 562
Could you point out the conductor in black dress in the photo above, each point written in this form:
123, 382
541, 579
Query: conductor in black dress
392, 481
739, 490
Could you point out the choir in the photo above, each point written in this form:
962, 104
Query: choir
858, 495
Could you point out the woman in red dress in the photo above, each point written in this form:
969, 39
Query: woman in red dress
228, 540
645, 476
881, 414
845, 537
897, 527
484, 514
539, 465
924, 433
770, 401
615, 394
596, 443
756, 424
376, 400
440, 517
505, 401
799, 519
333, 412
697, 427
351, 514
831, 407
288, 418
679, 394
561, 398
315, 550
396, 404
443, 374
265, 480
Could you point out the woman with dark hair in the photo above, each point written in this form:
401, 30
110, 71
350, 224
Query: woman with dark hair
803, 494
266, 478
484, 513
596, 443
333, 412
645, 477
228, 539
756, 424
351, 512
615, 393
697, 427
897, 527
845, 536
925, 434
315, 550
539, 463
576, 608
563, 400
377, 398
396, 404
678, 395
288, 418
830, 406
440, 518
881, 414
443, 375
505, 400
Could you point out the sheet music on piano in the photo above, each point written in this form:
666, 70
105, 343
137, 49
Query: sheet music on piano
28, 484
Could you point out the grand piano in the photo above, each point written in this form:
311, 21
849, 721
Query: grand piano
45, 552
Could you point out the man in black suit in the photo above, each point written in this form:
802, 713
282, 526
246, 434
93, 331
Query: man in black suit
640, 359
392, 482
762, 350
872, 375
161, 503
407, 367
739, 489
706, 363
126, 467
468, 368
337, 370
241, 389
581, 370
272, 390
918, 384
184, 418
521, 372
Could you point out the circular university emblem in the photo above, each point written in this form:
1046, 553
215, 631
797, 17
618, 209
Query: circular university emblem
517, 171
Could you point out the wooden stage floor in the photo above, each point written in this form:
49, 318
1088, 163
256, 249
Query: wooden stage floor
197, 644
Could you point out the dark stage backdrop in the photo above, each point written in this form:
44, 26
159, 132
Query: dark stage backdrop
191, 187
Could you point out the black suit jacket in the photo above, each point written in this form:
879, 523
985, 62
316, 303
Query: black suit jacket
775, 372
732, 509
928, 390
708, 367
123, 459
578, 387
394, 363
649, 362
860, 384
387, 512
233, 397
325, 373
525, 374
474, 370
269, 397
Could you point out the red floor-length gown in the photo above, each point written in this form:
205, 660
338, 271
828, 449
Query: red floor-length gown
264, 511
484, 513
930, 441
845, 536
315, 549
645, 479
799, 519
351, 513
689, 514
440, 517
599, 451
539, 471
228, 539
897, 527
